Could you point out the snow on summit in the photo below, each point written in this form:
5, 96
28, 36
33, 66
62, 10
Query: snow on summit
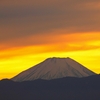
53, 68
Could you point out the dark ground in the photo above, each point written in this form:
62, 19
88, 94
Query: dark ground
59, 89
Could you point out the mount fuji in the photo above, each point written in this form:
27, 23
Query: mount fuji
54, 68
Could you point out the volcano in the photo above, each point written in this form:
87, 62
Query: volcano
54, 68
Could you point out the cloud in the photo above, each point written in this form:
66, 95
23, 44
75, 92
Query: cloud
22, 18
64, 42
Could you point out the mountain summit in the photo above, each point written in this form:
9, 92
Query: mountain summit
53, 68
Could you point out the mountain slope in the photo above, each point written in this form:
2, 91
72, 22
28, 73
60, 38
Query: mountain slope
53, 68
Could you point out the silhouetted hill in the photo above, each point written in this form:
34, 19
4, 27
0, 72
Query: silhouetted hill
68, 88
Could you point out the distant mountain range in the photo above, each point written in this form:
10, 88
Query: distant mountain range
53, 79
68, 88
53, 68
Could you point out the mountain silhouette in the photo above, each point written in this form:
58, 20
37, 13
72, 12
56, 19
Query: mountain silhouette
53, 79
54, 68
68, 88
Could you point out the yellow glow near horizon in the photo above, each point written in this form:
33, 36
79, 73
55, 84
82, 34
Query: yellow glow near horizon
85, 50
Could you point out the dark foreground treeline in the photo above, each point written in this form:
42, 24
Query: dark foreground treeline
59, 89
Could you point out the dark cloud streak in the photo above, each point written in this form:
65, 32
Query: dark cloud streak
25, 18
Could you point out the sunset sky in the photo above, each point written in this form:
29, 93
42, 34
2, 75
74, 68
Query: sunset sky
31, 31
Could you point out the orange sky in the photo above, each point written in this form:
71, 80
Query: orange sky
84, 48
31, 31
